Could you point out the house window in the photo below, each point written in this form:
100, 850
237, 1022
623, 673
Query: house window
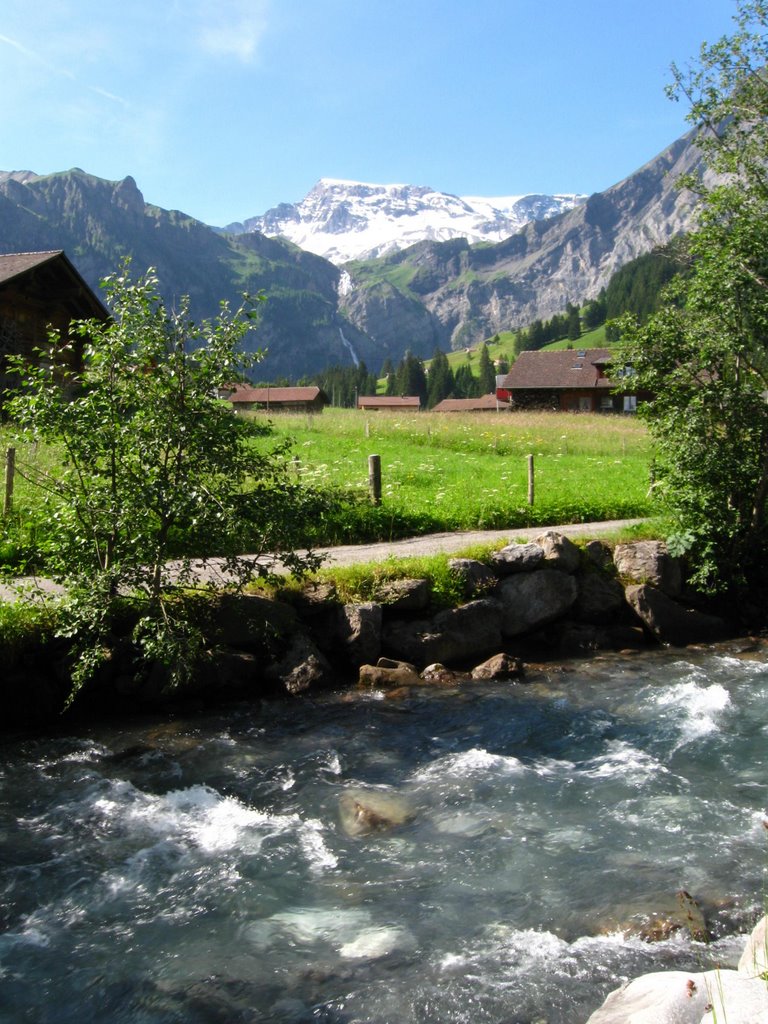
606, 403
630, 403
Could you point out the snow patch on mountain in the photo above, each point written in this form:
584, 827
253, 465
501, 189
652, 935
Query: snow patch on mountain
346, 220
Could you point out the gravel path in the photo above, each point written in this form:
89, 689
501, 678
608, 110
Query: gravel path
37, 588
436, 543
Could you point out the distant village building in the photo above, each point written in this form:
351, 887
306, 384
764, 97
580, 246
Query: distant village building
486, 403
389, 403
245, 398
569, 380
40, 291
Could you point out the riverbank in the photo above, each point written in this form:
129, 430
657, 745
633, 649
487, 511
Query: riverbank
541, 600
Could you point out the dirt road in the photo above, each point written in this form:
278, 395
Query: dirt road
38, 588
436, 543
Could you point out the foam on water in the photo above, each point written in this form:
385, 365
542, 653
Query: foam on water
700, 708
626, 762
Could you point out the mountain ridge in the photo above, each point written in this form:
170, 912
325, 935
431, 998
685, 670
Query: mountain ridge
467, 293
447, 293
345, 220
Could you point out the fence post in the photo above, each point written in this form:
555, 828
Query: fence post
10, 470
374, 478
530, 479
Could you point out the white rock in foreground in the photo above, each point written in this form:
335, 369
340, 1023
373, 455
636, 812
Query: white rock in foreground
679, 997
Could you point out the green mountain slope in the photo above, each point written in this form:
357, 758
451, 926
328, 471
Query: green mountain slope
98, 222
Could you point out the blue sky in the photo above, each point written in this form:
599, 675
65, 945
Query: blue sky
224, 108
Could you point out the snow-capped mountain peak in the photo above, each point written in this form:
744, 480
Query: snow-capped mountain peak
346, 220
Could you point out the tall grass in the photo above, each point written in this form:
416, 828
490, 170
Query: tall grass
440, 472
460, 472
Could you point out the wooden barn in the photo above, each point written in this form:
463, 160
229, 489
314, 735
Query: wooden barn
245, 398
39, 291
486, 403
389, 403
569, 380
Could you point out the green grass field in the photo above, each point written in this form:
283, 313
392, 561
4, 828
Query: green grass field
440, 472
459, 471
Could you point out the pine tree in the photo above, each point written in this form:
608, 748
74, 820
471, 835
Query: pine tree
487, 381
439, 380
574, 323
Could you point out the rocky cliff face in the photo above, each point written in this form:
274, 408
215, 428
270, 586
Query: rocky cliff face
440, 291
471, 292
98, 222
346, 220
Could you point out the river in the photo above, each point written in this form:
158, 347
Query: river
196, 870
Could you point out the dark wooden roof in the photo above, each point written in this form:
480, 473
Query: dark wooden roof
388, 402
481, 404
277, 396
14, 265
566, 368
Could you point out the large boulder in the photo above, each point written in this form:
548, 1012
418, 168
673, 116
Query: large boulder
680, 997
359, 632
302, 667
670, 622
454, 635
388, 676
600, 599
559, 552
517, 558
754, 959
476, 577
364, 811
709, 997
249, 622
530, 600
405, 596
648, 561
499, 667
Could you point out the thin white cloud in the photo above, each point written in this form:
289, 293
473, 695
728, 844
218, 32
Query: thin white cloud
234, 28
33, 56
57, 69
108, 95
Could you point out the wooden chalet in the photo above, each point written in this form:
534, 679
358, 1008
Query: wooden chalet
40, 291
486, 403
389, 403
569, 380
245, 398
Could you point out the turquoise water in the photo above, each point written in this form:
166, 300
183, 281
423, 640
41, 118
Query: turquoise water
199, 871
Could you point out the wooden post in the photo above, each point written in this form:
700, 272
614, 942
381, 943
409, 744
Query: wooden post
374, 478
530, 479
10, 470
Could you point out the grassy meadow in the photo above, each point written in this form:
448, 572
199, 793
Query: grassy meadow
469, 471
440, 472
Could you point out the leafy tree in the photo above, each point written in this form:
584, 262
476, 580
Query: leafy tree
704, 354
154, 466
594, 312
487, 373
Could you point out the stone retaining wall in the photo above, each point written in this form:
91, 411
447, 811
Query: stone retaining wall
546, 599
